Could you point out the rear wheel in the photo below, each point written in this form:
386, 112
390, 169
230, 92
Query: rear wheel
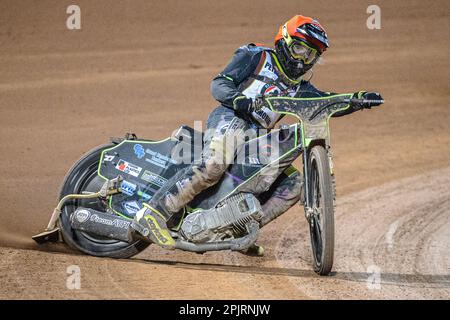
82, 177
321, 220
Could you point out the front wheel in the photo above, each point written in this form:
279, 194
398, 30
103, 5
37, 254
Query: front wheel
321, 210
83, 177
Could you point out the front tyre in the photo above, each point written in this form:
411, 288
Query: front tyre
321, 218
82, 177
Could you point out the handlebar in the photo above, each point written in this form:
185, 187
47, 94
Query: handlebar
313, 110
363, 101
352, 101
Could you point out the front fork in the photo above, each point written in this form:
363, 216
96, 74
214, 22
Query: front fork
309, 210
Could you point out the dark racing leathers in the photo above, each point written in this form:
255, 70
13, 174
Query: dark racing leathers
252, 71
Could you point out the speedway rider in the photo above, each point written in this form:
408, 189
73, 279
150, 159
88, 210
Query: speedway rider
253, 71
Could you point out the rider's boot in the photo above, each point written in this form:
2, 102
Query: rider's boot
151, 223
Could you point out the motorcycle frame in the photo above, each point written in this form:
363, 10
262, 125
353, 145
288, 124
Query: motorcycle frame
308, 142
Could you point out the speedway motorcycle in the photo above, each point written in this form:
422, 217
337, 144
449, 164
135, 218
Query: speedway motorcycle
105, 189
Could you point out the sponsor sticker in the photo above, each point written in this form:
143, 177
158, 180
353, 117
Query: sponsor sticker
153, 178
269, 66
128, 168
131, 207
144, 195
271, 90
139, 151
82, 215
158, 159
119, 223
128, 188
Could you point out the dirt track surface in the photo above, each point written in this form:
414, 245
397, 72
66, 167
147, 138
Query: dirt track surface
139, 66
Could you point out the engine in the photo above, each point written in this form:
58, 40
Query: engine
228, 220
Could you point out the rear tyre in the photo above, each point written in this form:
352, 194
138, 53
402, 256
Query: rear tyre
83, 177
321, 222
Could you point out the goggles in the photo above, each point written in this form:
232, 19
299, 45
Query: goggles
298, 49
301, 51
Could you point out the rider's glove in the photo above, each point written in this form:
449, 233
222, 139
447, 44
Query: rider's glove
373, 96
367, 96
264, 116
255, 110
243, 105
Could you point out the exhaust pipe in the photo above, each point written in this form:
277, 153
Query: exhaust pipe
118, 228
101, 224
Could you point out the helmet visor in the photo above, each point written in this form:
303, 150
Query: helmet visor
301, 51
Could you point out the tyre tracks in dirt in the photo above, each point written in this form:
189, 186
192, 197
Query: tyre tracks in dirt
392, 241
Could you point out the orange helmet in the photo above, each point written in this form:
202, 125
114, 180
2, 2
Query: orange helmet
299, 43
